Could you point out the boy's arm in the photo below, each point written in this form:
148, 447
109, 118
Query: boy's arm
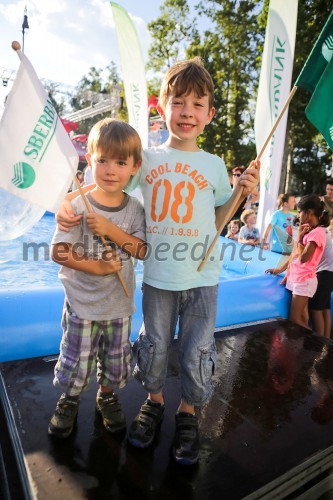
63, 254
101, 226
65, 216
247, 182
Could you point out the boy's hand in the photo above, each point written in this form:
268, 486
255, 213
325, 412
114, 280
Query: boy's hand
110, 263
65, 216
250, 178
98, 224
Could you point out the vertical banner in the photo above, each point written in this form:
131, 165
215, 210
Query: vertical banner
274, 89
133, 72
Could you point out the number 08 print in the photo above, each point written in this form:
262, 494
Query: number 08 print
173, 201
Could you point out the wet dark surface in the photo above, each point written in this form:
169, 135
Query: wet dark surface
272, 409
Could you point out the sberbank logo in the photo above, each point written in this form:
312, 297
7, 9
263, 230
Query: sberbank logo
24, 175
327, 48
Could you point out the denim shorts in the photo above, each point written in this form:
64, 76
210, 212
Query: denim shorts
195, 309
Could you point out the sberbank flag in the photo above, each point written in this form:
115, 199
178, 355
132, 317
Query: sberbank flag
317, 76
38, 160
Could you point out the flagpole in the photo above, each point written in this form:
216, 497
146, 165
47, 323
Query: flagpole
24, 26
17, 47
239, 195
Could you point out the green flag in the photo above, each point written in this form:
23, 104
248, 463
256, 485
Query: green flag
320, 55
320, 108
317, 76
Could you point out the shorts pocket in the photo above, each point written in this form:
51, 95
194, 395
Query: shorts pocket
208, 359
145, 354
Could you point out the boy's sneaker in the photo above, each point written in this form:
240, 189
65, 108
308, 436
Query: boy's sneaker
64, 418
142, 430
108, 406
186, 444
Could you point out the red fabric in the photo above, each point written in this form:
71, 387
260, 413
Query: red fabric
152, 101
69, 126
80, 137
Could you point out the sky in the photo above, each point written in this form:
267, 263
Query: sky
66, 37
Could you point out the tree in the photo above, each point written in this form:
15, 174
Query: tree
229, 50
171, 32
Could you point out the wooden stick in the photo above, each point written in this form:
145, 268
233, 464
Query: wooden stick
239, 195
104, 242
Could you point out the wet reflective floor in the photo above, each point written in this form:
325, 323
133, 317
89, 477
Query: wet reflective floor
272, 411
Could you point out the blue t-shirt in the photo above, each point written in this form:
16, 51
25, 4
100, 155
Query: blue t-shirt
180, 191
281, 223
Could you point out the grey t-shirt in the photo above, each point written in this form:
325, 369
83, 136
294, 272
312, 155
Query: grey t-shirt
95, 297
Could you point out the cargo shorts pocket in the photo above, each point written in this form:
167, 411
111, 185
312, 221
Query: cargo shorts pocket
145, 353
208, 359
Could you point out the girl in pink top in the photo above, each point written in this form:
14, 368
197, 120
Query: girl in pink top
301, 274
301, 278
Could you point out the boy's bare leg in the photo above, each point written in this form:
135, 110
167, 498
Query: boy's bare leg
186, 408
156, 398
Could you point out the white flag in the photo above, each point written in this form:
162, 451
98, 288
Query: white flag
133, 72
38, 160
274, 89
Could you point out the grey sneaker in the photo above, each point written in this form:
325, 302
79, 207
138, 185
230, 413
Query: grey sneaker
143, 428
64, 418
108, 406
186, 444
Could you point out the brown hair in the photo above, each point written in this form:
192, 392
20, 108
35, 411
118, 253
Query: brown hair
185, 77
235, 221
283, 198
238, 169
114, 139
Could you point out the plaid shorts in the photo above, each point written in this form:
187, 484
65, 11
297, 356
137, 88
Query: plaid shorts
86, 343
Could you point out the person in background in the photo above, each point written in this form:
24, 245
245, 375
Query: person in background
97, 315
249, 234
234, 227
281, 226
301, 278
320, 303
235, 176
328, 198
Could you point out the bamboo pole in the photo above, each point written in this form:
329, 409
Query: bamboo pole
239, 195
104, 242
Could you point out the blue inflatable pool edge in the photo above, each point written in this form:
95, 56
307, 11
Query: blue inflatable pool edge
31, 317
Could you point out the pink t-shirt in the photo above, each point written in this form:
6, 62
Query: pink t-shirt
300, 271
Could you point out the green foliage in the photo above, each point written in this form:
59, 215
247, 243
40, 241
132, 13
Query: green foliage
170, 33
232, 49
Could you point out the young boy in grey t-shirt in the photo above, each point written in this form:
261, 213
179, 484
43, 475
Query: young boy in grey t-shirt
97, 313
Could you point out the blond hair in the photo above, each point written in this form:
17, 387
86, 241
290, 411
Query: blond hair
114, 139
185, 77
246, 214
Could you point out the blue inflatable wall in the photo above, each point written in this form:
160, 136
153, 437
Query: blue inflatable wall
30, 318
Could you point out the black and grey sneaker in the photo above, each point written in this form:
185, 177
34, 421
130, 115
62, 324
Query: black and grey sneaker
109, 407
143, 428
64, 418
186, 444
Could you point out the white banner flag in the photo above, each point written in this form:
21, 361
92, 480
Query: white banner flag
274, 89
133, 72
38, 160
